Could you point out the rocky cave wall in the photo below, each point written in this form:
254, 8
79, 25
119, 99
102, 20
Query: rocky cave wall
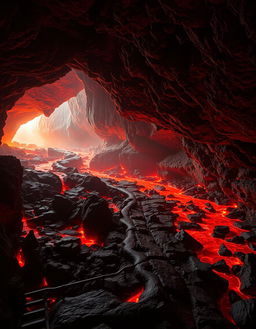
136, 146
188, 66
68, 126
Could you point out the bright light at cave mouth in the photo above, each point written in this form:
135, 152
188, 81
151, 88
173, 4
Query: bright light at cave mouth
64, 128
28, 133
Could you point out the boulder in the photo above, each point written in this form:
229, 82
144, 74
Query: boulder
96, 218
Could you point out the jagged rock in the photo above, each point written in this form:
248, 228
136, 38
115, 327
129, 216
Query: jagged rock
55, 153
93, 183
193, 207
236, 239
247, 275
74, 179
220, 231
249, 236
57, 273
224, 251
195, 218
188, 241
96, 218
62, 205
44, 218
189, 226
205, 288
83, 310
244, 313
209, 207
38, 185
236, 269
12, 290
68, 247
236, 213
10, 198
221, 266
246, 225
56, 166
33, 268
70, 161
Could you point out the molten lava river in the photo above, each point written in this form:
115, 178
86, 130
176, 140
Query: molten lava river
215, 215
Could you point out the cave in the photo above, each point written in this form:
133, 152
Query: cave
128, 164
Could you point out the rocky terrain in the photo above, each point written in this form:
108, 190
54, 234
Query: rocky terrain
117, 250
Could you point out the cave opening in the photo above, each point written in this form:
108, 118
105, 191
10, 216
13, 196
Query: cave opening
127, 165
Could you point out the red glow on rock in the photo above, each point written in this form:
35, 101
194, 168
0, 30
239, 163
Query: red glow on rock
209, 253
135, 298
84, 239
27, 229
44, 283
20, 258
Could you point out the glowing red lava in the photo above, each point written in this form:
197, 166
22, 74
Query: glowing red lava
20, 258
135, 298
209, 253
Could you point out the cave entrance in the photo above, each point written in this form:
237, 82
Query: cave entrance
66, 128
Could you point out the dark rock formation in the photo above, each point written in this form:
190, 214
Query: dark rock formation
11, 285
247, 275
38, 185
243, 312
96, 218
10, 196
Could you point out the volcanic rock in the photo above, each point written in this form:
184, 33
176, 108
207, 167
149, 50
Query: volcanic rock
209, 207
196, 218
11, 283
249, 236
187, 241
189, 226
38, 185
10, 198
247, 275
68, 247
221, 266
220, 231
237, 213
96, 218
224, 251
33, 269
246, 225
73, 161
74, 179
57, 273
55, 153
83, 310
93, 183
56, 166
236, 269
244, 313
236, 239
62, 205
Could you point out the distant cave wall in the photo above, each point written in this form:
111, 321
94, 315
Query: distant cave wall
68, 126
134, 145
187, 66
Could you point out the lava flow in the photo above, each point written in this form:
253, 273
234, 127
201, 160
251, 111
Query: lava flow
185, 205
136, 297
